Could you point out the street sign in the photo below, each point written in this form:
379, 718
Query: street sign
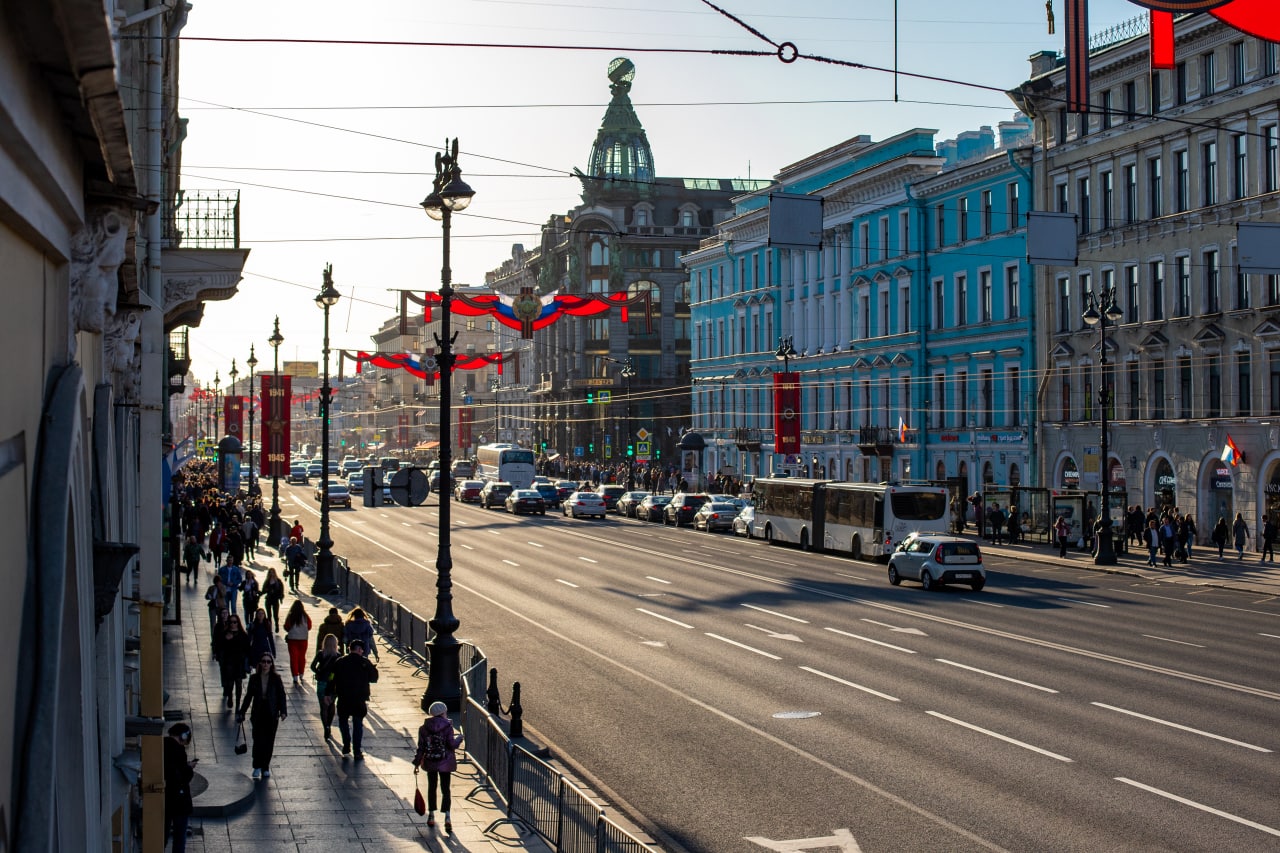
643, 434
604, 396
643, 449
577, 451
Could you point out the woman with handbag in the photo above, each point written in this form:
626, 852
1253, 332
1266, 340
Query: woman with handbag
326, 656
267, 704
273, 593
437, 745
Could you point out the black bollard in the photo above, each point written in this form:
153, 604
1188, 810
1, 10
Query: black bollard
517, 712
493, 701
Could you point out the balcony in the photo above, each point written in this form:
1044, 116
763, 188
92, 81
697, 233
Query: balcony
878, 441
201, 260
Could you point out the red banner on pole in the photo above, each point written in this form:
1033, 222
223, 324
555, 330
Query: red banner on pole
402, 434
466, 416
233, 415
786, 413
277, 406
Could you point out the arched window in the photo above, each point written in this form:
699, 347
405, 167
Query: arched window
688, 219
598, 253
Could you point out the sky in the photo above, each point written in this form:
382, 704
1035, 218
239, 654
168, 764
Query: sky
332, 143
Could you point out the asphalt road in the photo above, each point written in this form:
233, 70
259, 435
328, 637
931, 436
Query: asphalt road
737, 697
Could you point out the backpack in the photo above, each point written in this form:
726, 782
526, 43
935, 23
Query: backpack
435, 748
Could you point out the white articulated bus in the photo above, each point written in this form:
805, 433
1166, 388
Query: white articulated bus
864, 520
507, 463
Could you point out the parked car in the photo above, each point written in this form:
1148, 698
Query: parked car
653, 508
355, 482
526, 501
468, 491
715, 515
627, 504
579, 504
610, 495
549, 493
682, 507
744, 520
935, 560
298, 474
338, 495
565, 488
495, 493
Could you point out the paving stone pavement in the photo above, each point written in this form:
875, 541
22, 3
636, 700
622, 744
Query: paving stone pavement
316, 799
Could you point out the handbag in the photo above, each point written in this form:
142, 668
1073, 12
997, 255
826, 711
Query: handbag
242, 743
419, 805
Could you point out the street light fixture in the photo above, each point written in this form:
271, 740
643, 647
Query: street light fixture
785, 352
216, 383
449, 193
326, 580
1098, 310
253, 474
628, 373
276, 340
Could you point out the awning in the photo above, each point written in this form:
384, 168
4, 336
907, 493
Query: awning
552, 457
426, 445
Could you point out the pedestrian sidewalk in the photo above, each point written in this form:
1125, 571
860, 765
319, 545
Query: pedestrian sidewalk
316, 798
1204, 568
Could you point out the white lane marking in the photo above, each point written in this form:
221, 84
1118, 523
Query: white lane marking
776, 613
382, 565
1079, 601
510, 563
778, 562
566, 583
663, 618
1272, 636
842, 839
915, 631
741, 645
535, 544
1167, 640
384, 515
999, 736
1200, 603
659, 580
775, 635
1201, 806
869, 640
405, 524
468, 547
995, 675
1181, 727
496, 532
588, 560
984, 603
854, 685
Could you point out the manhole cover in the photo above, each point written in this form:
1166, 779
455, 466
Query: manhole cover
796, 715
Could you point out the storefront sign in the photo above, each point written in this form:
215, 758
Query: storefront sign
999, 437
948, 436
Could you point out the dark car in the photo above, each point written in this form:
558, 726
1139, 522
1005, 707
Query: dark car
526, 501
549, 493
653, 507
628, 502
495, 493
564, 488
610, 495
434, 482
682, 507
713, 516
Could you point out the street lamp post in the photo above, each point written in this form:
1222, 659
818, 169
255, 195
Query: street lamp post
216, 383
449, 193
253, 474
276, 340
1098, 310
326, 580
628, 372
785, 352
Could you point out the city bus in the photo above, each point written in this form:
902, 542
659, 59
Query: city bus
507, 463
864, 520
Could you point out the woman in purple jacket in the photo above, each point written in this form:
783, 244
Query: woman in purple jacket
436, 754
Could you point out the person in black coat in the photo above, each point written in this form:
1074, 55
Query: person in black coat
265, 695
352, 675
178, 773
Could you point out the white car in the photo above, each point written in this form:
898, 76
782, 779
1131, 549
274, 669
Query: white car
935, 560
579, 504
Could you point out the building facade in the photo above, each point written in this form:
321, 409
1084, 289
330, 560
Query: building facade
1158, 175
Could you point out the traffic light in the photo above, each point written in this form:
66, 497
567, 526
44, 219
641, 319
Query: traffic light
591, 397
658, 452
544, 445
591, 447
631, 450
342, 442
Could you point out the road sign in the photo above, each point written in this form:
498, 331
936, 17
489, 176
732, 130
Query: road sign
643, 449
604, 396
643, 434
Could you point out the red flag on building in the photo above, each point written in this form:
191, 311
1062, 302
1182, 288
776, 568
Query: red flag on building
233, 415
276, 410
786, 413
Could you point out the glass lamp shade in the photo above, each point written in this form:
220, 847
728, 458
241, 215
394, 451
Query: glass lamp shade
328, 297
434, 205
457, 195
1091, 317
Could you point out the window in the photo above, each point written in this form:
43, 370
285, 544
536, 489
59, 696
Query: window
1273, 380
1214, 392
1237, 63
1011, 298
1062, 126
940, 224
598, 253
1064, 393
1239, 166
1088, 394
1157, 389
962, 299
1182, 298
1108, 197
1157, 91
1131, 100
1086, 290
1181, 181
1104, 104
1011, 198
984, 294
962, 396
1135, 390
1131, 193
986, 213
1156, 271
1184, 387
1273, 291
1244, 384
939, 400
688, 219
1131, 289
1064, 304
1212, 283
1155, 189
962, 232
1060, 191
1208, 73
1082, 204
1082, 125
1180, 83
1209, 173
1270, 51
939, 294
1013, 397
986, 389
885, 249
1271, 157
904, 232
864, 242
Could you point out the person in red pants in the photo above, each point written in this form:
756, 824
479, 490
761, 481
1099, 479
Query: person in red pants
297, 631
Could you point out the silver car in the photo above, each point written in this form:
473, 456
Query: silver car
935, 560
579, 504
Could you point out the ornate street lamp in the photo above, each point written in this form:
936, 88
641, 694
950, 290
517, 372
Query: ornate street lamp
628, 373
785, 352
216, 383
449, 193
273, 526
1098, 310
253, 474
326, 580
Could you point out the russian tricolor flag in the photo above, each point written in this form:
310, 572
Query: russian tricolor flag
902, 430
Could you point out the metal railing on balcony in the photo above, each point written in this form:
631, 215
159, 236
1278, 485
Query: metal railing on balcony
204, 219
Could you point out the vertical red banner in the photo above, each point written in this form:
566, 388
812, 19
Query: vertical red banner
786, 413
1162, 54
466, 416
233, 415
1077, 56
402, 434
277, 407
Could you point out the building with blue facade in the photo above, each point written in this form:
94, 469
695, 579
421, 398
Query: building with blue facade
910, 322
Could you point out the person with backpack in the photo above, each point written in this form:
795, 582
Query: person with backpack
294, 558
437, 754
